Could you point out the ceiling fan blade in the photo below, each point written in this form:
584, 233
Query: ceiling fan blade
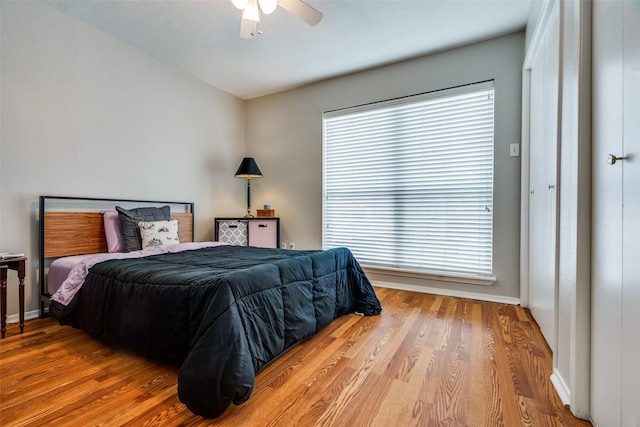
301, 10
248, 28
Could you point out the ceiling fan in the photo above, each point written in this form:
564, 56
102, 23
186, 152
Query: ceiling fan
251, 10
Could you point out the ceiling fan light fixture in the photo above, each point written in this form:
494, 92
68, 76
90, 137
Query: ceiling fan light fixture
240, 4
251, 11
268, 6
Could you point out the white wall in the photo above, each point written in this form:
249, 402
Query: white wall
86, 115
284, 133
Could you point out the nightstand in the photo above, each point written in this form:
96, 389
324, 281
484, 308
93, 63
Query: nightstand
17, 264
261, 232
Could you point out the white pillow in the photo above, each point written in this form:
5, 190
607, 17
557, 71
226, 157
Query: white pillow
159, 233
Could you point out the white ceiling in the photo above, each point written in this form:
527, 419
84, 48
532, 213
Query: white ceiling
203, 36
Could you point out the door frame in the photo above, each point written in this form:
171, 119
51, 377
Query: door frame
574, 176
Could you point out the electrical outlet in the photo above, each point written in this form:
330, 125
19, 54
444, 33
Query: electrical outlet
292, 245
283, 245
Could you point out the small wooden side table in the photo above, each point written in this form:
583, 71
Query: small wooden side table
17, 264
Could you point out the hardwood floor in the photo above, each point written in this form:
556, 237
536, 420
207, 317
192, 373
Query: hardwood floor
426, 361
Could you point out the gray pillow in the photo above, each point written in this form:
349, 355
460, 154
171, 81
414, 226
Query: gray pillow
129, 219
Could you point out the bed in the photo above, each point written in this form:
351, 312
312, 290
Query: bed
221, 312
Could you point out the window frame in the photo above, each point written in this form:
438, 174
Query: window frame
485, 278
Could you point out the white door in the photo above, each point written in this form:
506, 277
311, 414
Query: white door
615, 320
631, 217
543, 177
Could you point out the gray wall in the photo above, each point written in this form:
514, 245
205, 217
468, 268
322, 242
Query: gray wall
284, 133
86, 115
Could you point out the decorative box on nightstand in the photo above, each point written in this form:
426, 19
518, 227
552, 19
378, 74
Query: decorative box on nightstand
261, 232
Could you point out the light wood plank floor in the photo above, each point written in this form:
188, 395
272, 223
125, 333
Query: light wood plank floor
426, 361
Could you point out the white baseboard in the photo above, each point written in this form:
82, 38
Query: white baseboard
14, 318
561, 387
448, 292
29, 315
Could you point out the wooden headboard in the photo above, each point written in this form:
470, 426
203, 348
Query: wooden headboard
80, 233
74, 226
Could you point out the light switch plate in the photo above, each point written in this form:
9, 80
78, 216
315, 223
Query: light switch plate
514, 150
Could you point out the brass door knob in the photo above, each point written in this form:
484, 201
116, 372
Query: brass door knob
612, 159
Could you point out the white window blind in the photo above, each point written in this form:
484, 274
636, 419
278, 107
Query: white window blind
408, 183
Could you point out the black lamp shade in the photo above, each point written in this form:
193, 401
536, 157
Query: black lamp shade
248, 169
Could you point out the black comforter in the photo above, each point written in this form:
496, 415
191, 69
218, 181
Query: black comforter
222, 312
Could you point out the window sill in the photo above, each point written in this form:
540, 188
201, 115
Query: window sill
457, 278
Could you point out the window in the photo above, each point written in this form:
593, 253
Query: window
408, 183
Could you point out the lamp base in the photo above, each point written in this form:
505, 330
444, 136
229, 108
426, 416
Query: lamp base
248, 216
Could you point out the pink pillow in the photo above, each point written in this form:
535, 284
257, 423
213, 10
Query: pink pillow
115, 242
